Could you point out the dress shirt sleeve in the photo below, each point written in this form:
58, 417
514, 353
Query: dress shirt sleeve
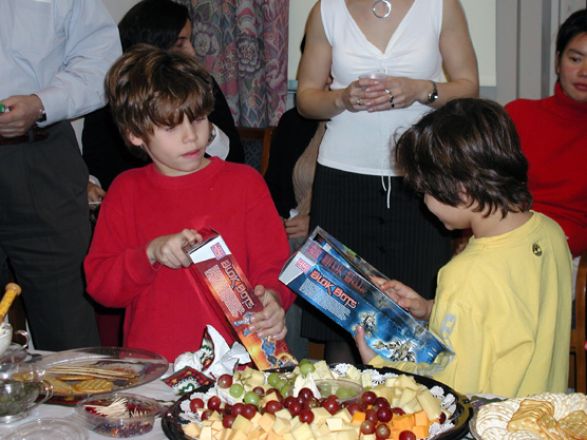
92, 44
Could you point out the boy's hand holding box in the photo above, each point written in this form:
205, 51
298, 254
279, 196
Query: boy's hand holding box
340, 284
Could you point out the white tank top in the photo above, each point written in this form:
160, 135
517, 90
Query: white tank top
362, 142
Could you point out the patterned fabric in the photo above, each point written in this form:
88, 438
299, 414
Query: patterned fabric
243, 43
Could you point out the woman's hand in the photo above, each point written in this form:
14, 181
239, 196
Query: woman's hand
353, 97
409, 299
298, 226
168, 250
271, 321
394, 92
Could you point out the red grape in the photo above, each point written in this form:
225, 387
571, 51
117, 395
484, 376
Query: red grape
227, 420
273, 406
237, 408
368, 397
214, 403
249, 410
224, 381
397, 411
259, 391
442, 417
381, 402
384, 414
382, 431
353, 407
306, 416
295, 408
206, 414
371, 414
196, 404
407, 435
306, 393
331, 405
288, 401
367, 427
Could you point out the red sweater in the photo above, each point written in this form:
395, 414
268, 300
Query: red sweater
166, 309
553, 134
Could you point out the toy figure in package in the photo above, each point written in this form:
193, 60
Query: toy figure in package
341, 284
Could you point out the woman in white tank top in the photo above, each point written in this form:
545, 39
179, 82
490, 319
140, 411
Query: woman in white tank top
358, 195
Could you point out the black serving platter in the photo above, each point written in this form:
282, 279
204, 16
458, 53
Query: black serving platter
171, 421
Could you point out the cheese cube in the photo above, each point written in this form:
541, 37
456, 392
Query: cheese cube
242, 424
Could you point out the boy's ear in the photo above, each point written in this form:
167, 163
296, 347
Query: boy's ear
135, 140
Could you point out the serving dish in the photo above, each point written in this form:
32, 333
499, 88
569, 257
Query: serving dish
80, 373
172, 420
118, 415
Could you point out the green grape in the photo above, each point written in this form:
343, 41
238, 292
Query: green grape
236, 390
252, 397
273, 380
285, 389
345, 393
306, 367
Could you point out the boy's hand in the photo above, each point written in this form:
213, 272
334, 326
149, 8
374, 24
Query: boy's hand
298, 226
168, 249
407, 298
271, 321
366, 353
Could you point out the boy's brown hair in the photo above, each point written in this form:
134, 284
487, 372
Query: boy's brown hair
148, 87
467, 146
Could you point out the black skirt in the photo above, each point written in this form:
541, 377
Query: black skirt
405, 241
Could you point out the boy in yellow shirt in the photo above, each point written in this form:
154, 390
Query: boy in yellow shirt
504, 303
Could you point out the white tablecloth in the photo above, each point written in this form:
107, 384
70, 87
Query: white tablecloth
156, 390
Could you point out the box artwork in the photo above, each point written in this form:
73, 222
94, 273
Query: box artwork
215, 265
340, 284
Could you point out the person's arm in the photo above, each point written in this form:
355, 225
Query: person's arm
221, 116
116, 268
92, 45
267, 245
314, 101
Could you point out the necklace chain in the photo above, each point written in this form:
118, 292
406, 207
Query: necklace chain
381, 8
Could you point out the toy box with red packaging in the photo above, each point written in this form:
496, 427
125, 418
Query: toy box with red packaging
217, 267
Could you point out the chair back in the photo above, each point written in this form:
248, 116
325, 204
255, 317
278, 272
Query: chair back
578, 349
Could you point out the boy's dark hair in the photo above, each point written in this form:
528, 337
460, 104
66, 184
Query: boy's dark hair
574, 25
148, 87
467, 147
155, 22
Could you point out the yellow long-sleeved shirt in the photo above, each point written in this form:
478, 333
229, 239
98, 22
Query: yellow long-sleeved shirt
504, 306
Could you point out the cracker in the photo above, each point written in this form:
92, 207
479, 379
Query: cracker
93, 386
574, 425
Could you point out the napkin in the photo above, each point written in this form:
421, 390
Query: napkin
214, 358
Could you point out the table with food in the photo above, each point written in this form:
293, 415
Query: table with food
257, 390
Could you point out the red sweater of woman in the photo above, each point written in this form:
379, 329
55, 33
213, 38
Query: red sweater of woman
553, 135
167, 309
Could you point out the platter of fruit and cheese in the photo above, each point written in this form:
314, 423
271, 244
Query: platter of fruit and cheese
542, 416
315, 400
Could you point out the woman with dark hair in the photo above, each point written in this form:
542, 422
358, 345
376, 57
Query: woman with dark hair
553, 135
167, 25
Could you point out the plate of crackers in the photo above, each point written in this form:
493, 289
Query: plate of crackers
83, 372
542, 416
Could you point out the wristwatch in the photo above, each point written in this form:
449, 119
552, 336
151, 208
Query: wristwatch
42, 116
433, 95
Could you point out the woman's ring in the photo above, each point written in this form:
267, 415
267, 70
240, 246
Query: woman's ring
391, 98
387, 91
359, 101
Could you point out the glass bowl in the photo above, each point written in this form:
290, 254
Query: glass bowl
118, 415
344, 390
22, 388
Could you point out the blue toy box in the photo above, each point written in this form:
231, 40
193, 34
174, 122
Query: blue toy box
340, 284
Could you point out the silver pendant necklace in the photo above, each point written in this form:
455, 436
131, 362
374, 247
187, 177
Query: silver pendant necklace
381, 8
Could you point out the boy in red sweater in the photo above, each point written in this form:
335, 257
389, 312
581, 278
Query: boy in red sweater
160, 101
